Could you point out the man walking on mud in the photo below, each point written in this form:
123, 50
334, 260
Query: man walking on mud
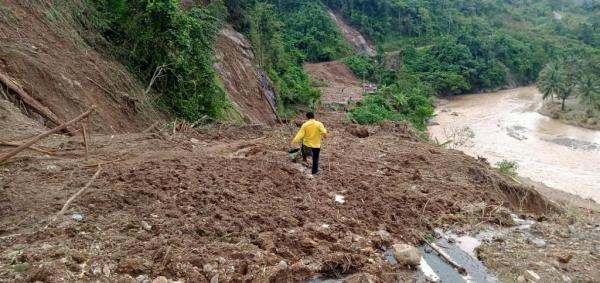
310, 133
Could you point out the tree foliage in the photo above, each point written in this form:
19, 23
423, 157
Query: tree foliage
149, 34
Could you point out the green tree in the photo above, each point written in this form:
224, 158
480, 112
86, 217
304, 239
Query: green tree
551, 80
588, 88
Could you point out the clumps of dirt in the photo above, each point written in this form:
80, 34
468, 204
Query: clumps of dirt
208, 205
358, 131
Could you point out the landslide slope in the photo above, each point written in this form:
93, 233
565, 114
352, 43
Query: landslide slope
228, 203
42, 51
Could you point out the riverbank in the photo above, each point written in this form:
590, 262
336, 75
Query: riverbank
576, 114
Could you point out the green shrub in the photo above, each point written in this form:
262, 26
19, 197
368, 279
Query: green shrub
149, 34
508, 168
394, 103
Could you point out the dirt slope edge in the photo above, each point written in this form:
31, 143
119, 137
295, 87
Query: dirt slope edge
47, 57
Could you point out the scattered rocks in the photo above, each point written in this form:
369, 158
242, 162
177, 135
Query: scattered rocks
521, 279
215, 279
406, 254
531, 276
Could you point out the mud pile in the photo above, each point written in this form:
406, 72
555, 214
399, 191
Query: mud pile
228, 203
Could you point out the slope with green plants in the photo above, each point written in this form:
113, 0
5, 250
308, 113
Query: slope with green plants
455, 47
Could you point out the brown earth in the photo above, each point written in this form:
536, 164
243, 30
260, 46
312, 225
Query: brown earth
340, 84
353, 36
249, 88
571, 250
228, 202
42, 50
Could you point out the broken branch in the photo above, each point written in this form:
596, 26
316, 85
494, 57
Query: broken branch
78, 193
43, 135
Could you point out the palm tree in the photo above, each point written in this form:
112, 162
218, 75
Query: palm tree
589, 88
565, 92
551, 80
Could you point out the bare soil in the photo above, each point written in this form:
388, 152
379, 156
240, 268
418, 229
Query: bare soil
340, 84
249, 88
228, 202
43, 51
571, 250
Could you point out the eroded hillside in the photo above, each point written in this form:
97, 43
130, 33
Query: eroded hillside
42, 52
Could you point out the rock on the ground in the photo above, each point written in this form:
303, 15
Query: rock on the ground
521, 279
160, 279
142, 279
531, 276
406, 254
360, 278
540, 243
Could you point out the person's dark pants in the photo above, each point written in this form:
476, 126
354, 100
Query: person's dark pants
314, 152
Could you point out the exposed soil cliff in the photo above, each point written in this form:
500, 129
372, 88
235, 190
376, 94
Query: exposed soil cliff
353, 36
249, 88
42, 52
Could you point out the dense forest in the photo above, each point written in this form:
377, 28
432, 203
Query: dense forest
445, 47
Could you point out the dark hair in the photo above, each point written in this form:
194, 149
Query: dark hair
310, 115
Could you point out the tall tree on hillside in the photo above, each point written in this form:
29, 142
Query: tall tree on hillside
267, 39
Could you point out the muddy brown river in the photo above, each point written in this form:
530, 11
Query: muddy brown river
506, 125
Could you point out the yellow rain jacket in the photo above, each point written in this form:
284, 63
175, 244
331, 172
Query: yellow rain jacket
311, 131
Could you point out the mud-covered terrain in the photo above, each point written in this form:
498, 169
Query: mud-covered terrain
228, 202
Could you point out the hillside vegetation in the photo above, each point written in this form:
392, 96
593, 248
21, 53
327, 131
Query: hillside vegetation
442, 47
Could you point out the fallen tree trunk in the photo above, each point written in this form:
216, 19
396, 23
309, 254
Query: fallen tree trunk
43, 135
31, 102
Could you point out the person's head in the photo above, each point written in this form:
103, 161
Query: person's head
310, 115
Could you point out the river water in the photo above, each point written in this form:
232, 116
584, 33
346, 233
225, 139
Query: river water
506, 125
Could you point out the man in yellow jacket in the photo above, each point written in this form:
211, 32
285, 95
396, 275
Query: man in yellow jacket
310, 133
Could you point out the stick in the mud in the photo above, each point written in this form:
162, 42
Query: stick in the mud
34, 148
74, 196
85, 139
30, 101
447, 258
43, 135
